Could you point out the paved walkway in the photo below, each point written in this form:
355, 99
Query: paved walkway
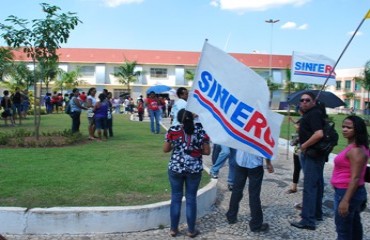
277, 206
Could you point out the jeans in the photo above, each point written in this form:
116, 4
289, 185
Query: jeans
215, 152
225, 153
313, 188
255, 176
191, 182
154, 115
75, 121
350, 227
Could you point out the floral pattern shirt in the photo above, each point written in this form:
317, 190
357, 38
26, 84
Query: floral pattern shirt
186, 155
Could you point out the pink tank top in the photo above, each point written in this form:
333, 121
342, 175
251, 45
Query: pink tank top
342, 170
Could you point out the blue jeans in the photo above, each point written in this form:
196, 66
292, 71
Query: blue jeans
225, 153
191, 182
255, 176
154, 115
349, 227
313, 188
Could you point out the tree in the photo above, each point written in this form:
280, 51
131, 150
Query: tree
189, 75
40, 40
365, 80
68, 80
126, 73
6, 62
49, 71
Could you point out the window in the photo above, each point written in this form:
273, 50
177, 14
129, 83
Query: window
357, 104
120, 92
357, 86
347, 85
347, 102
158, 72
87, 71
338, 85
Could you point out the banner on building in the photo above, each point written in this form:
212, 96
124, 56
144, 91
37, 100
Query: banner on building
232, 102
312, 69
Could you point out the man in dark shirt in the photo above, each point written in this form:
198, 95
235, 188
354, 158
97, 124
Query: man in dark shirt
310, 132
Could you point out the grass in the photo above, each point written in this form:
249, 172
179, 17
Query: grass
128, 169
337, 118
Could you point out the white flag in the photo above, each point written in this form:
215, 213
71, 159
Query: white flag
312, 69
232, 103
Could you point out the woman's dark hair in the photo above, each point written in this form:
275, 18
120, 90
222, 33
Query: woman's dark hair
102, 97
187, 119
90, 90
75, 90
359, 127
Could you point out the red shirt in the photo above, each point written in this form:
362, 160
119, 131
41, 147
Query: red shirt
152, 104
83, 97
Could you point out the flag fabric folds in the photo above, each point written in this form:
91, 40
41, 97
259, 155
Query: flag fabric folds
312, 68
232, 102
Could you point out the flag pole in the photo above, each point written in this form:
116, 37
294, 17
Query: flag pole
367, 15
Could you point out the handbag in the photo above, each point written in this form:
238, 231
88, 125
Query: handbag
367, 174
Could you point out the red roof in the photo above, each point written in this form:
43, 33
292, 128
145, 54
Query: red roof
156, 57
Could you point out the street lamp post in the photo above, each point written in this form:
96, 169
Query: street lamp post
271, 21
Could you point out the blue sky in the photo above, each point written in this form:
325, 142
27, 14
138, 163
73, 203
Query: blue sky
238, 26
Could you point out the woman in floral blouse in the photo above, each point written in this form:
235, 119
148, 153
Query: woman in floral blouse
188, 143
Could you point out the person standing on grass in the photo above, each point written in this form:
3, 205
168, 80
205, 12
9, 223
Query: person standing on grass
76, 108
188, 143
101, 114
348, 179
182, 94
25, 103
6, 104
110, 116
90, 103
140, 109
154, 112
17, 105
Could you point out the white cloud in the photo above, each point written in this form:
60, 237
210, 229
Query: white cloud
303, 27
116, 3
357, 34
289, 25
254, 5
294, 26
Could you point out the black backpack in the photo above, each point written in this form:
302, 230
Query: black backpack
330, 139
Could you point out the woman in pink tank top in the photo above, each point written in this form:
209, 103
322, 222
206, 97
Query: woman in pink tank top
348, 179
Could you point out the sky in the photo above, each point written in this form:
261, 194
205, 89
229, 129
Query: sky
235, 26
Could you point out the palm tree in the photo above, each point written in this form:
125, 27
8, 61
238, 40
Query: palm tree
68, 80
23, 75
126, 73
6, 62
189, 75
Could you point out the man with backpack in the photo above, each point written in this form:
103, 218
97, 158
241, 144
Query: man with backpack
312, 162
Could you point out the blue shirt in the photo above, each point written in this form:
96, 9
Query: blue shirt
248, 160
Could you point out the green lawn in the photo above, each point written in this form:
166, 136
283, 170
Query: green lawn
128, 169
338, 119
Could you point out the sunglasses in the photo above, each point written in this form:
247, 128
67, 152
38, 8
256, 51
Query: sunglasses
305, 100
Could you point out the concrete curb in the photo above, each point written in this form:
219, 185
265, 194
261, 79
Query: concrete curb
87, 220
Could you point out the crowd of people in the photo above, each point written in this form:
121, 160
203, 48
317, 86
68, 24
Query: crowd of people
15, 106
188, 142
